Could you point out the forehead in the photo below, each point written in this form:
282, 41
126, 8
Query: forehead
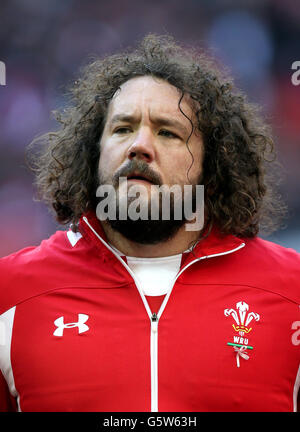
151, 94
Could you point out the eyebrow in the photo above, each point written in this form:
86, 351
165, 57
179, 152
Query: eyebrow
161, 121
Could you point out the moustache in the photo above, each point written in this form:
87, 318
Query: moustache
134, 167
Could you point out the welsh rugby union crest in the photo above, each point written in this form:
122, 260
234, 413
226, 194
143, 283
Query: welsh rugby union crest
243, 320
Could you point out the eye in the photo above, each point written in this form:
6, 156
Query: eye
122, 130
168, 134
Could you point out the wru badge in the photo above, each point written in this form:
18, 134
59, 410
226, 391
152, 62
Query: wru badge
242, 320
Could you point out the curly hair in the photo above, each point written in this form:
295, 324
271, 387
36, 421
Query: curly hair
238, 145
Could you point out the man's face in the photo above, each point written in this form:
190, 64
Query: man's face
145, 136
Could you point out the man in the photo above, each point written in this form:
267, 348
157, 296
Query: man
153, 313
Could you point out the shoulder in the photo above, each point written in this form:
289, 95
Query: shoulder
21, 270
274, 267
269, 253
31, 254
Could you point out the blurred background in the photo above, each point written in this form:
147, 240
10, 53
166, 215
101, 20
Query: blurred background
43, 44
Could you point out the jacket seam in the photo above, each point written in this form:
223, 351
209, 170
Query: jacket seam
244, 285
63, 287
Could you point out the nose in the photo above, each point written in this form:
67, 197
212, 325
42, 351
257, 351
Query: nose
142, 147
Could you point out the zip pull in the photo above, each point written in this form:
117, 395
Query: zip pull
154, 322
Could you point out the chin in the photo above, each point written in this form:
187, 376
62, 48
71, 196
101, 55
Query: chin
147, 232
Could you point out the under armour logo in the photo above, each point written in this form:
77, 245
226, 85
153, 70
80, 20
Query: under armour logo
59, 322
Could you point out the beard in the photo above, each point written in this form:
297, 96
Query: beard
146, 229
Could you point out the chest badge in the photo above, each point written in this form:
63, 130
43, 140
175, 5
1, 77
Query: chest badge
243, 321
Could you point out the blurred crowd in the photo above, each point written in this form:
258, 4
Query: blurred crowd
44, 43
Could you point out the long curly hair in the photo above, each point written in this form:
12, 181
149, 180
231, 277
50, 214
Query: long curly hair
238, 145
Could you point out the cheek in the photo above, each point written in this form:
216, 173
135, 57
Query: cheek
195, 162
185, 167
108, 161
105, 166
102, 166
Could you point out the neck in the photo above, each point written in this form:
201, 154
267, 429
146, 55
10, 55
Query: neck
179, 243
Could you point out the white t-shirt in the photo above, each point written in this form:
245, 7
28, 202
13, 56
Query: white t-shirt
156, 275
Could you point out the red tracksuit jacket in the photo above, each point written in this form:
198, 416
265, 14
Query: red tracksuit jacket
77, 334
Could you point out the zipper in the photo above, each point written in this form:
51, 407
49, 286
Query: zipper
154, 362
154, 323
154, 318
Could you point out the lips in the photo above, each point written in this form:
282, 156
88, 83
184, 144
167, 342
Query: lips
139, 177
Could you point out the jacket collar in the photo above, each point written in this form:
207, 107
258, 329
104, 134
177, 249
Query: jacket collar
215, 243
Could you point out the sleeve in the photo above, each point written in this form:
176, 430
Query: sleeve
7, 401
